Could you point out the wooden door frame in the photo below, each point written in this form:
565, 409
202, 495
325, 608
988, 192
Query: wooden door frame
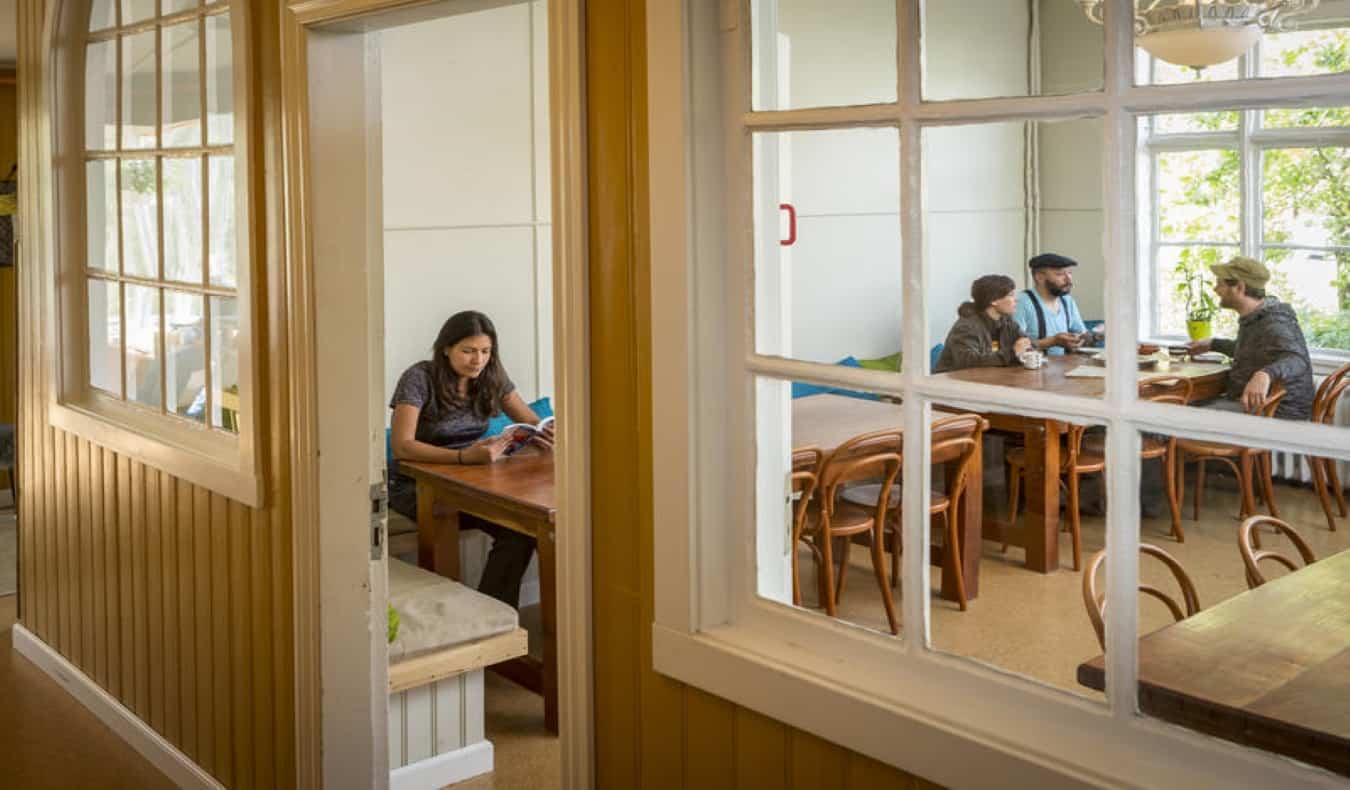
566, 39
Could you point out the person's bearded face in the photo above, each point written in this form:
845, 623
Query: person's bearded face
1058, 282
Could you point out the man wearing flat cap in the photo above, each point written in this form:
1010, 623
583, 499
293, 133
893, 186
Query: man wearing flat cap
1269, 345
1046, 313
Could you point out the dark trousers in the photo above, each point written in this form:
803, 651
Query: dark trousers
507, 560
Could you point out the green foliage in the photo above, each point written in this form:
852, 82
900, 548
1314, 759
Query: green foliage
138, 175
393, 625
1326, 330
1194, 286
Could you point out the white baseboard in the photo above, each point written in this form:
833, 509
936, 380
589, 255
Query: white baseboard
436, 772
151, 745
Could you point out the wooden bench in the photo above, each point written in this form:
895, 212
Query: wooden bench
447, 634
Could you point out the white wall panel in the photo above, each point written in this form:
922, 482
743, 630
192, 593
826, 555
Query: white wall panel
960, 247
543, 195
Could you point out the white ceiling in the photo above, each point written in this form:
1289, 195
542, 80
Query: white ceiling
9, 23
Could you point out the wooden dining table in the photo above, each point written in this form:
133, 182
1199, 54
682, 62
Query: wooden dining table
516, 493
1268, 668
827, 421
1039, 534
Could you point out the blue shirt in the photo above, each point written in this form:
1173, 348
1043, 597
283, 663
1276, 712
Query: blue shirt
1068, 319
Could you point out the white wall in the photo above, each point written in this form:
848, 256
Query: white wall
466, 186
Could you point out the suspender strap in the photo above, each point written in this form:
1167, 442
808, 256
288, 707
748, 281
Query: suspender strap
1040, 313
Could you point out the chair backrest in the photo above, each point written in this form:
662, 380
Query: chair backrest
1277, 393
1328, 384
1167, 389
806, 463
1096, 602
1324, 408
869, 455
1252, 556
956, 438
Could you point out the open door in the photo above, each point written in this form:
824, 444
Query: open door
347, 234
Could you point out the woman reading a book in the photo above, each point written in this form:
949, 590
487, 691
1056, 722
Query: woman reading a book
441, 411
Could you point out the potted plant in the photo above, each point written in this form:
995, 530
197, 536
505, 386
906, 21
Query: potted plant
1200, 307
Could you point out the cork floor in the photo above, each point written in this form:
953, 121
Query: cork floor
1036, 625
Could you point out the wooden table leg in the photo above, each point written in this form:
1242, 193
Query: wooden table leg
1042, 495
437, 533
548, 617
970, 521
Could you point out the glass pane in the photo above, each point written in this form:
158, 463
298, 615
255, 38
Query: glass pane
1198, 196
219, 80
140, 218
827, 267
981, 48
996, 314
1023, 558
101, 214
1184, 292
174, 6
1304, 198
1316, 283
1197, 670
836, 480
1305, 52
185, 354
1306, 118
224, 264
138, 91
225, 363
102, 15
143, 345
100, 96
814, 53
183, 219
137, 11
1226, 121
105, 337
182, 86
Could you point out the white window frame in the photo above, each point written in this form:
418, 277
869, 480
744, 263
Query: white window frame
1250, 139
949, 719
214, 459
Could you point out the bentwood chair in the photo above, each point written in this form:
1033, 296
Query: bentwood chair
1249, 546
806, 463
1095, 601
1244, 461
1078, 461
868, 457
1326, 480
1177, 391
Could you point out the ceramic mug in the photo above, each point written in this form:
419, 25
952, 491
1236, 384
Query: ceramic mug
1031, 359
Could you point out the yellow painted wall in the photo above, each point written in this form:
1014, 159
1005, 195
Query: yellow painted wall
653, 732
175, 600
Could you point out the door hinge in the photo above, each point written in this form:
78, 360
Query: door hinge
379, 514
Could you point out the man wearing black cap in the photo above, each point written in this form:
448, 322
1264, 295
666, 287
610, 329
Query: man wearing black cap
1046, 313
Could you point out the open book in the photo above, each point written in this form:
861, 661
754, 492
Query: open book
521, 433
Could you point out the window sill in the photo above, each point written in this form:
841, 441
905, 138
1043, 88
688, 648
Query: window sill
1007, 732
219, 464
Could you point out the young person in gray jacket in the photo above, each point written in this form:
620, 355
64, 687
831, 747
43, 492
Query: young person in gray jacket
1269, 345
985, 336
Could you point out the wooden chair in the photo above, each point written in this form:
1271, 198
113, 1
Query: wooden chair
862, 458
1249, 545
1326, 480
954, 440
806, 463
1078, 461
1177, 391
1096, 602
1242, 460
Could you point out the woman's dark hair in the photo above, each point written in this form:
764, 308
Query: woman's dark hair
485, 392
985, 291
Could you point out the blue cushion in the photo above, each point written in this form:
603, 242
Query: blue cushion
801, 389
933, 355
542, 407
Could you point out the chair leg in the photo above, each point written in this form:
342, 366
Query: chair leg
1170, 488
14, 489
879, 567
1334, 475
827, 571
949, 523
1268, 483
1320, 486
796, 572
845, 552
1074, 525
1014, 491
895, 555
1247, 485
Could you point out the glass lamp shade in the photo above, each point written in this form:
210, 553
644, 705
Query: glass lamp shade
1199, 48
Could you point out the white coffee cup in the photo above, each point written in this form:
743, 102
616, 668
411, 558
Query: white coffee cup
1031, 359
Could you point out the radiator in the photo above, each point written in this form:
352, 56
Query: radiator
1295, 467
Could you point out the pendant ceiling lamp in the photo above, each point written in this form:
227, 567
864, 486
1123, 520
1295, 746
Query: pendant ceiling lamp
1200, 33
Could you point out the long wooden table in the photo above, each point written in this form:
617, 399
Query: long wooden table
517, 493
1268, 668
1040, 535
827, 421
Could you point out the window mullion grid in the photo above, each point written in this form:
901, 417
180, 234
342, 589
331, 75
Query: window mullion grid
118, 143
160, 266
1249, 170
205, 164
1122, 453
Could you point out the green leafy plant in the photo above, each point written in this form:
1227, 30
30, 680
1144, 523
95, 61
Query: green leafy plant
393, 624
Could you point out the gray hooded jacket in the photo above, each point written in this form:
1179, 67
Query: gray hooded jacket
1270, 339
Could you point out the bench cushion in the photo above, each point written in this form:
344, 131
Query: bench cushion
436, 612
